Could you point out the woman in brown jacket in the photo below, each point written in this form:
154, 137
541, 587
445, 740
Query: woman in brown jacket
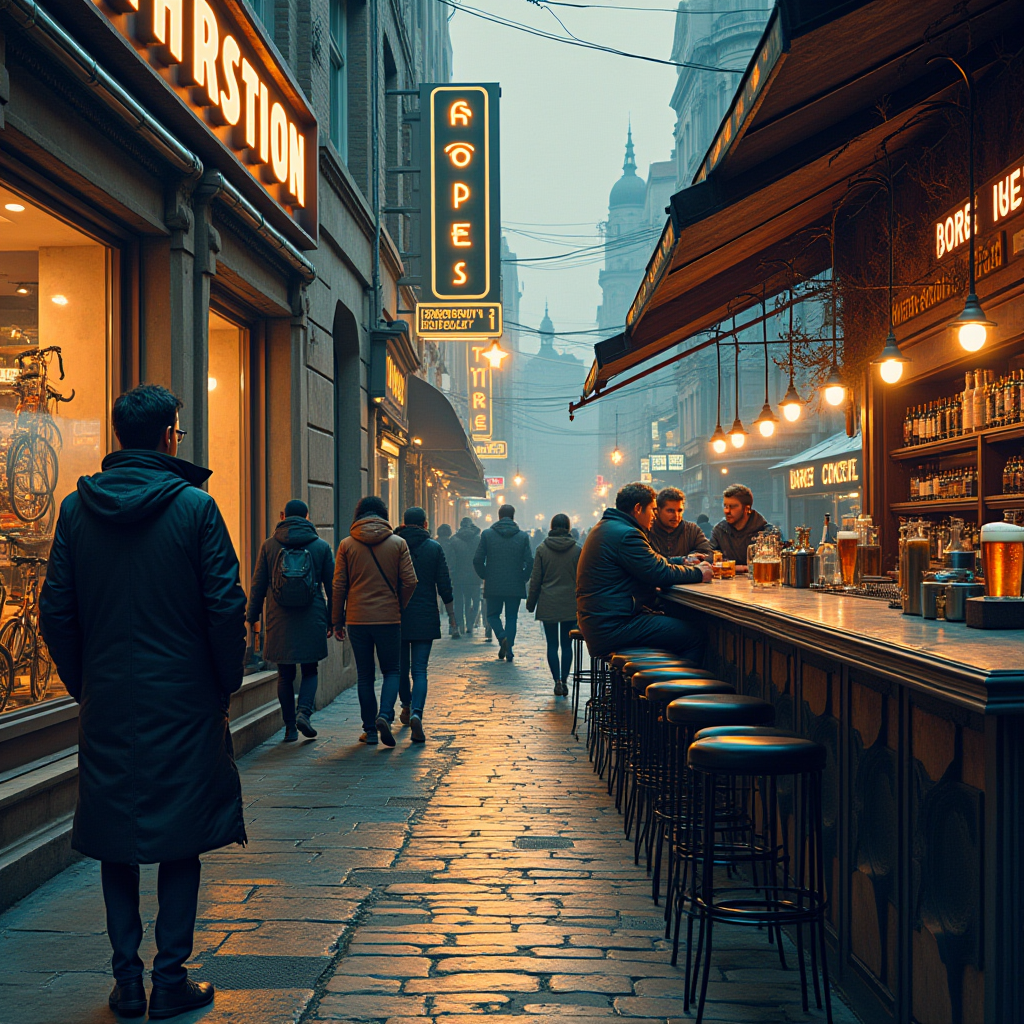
374, 580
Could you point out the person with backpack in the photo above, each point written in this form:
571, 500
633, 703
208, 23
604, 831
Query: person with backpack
552, 592
294, 573
504, 561
421, 621
374, 580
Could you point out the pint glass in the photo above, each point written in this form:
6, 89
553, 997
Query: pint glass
1002, 555
847, 543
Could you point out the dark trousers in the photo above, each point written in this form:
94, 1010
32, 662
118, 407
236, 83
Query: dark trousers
680, 636
511, 607
553, 632
286, 690
178, 893
467, 605
413, 662
385, 640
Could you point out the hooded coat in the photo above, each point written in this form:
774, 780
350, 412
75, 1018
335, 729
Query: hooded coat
733, 543
294, 635
367, 591
553, 581
420, 619
463, 547
144, 617
503, 560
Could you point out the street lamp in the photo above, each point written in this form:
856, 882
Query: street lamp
616, 453
766, 419
494, 355
718, 442
737, 432
890, 361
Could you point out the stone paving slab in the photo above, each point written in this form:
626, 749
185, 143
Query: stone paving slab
484, 872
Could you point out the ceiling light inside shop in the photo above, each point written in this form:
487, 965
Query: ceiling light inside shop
23, 289
14, 208
211, 383
59, 300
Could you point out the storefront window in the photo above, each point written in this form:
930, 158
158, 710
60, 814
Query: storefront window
387, 484
54, 413
228, 434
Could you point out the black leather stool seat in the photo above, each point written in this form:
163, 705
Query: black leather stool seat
756, 754
619, 658
743, 730
669, 673
639, 664
720, 709
575, 634
667, 690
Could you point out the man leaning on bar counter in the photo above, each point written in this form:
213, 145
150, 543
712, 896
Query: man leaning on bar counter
673, 536
741, 524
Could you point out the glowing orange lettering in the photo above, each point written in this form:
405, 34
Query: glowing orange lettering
460, 112
167, 27
460, 273
460, 153
479, 400
205, 47
460, 193
460, 235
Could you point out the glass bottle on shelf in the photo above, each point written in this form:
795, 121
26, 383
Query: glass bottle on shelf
968, 402
828, 560
980, 420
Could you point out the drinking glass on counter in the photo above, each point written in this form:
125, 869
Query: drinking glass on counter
716, 564
847, 543
1002, 555
765, 561
728, 568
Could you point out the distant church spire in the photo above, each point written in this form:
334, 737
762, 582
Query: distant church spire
629, 165
547, 329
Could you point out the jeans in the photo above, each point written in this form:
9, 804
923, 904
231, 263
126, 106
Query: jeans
414, 658
467, 605
178, 893
680, 636
286, 690
552, 632
511, 606
385, 639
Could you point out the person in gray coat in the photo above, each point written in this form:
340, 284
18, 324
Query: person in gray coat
465, 582
294, 573
504, 561
553, 593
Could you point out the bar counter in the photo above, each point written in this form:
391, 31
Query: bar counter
923, 790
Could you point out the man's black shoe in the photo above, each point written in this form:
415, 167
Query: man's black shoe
128, 998
416, 728
508, 654
384, 732
304, 726
290, 734
502, 647
176, 999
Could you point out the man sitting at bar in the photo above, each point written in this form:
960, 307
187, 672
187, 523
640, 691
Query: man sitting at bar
739, 527
674, 537
616, 582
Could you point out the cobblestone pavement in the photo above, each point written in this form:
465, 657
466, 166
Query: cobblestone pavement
483, 872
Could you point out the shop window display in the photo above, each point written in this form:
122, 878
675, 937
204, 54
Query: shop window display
54, 415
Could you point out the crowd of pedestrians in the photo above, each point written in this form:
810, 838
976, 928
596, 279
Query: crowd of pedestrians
145, 619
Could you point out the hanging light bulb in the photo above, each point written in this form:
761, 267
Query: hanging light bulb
718, 443
972, 325
835, 389
617, 457
891, 360
737, 433
766, 421
792, 405
718, 440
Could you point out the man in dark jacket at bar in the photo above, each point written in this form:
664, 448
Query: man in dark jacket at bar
421, 621
739, 527
504, 561
671, 535
294, 575
145, 619
616, 583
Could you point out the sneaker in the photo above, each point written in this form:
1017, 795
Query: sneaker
172, 1000
404, 716
128, 998
302, 723
502, 648
384, 732
416, 728
369, 738
290, 734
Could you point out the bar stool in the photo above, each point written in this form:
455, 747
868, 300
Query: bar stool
689, 715
578, 675
716, 760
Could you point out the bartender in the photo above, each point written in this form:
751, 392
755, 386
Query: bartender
741, 524
671, 535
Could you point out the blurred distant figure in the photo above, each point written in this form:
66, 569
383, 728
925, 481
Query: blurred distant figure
503, 560
465, 582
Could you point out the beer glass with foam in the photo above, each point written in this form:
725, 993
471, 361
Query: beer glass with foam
847, 541
1002, 554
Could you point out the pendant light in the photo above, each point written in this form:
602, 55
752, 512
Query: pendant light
890, 361
766, 420
718, 443
616, 453
792, 404
834, 389
737, 432
971, 326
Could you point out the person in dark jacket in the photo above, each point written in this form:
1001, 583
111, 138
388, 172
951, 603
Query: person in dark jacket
552, 592
616, 583
465, 582
671, 535
144, 617
444, 538
298, 624
421, 621
504, 561
741, 524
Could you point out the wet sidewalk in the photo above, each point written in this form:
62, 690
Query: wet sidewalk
484, 872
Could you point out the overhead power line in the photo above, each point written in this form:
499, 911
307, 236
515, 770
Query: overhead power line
659, 10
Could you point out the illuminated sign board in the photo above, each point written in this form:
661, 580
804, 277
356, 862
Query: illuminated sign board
481, 419
496, 483
491, 450
212, 56
461, 221
824, 477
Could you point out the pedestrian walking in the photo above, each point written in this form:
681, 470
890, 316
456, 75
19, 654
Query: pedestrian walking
374, 580
421, 622
552, 592
444, 538
294, 575
465, 582
144, 616
504, 561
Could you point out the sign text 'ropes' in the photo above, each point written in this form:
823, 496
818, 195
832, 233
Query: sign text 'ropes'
210, 54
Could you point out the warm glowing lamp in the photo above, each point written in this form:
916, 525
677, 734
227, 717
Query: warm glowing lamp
890, 361
766, 421
617, 457
737, 433
792, 405
718, 441
494, 355
835, 389
972, 325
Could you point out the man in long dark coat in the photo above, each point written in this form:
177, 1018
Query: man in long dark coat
145, 619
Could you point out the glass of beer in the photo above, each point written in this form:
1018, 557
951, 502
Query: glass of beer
716, 564
729, 567
1002, 555
847, 544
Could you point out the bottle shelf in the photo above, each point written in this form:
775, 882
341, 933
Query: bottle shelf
963, 443
938, 505
1004, 500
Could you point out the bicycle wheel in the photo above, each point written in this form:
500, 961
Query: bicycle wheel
13, 635
6, 676
41, 667
31, 477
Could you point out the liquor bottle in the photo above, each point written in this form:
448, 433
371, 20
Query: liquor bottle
980, 419
968, 402
828, 560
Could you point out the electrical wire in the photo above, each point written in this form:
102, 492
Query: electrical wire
659, 10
